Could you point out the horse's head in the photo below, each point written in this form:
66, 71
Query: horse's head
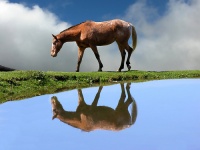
56, 46
56, 107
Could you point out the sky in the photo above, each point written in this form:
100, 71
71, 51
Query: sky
168, 34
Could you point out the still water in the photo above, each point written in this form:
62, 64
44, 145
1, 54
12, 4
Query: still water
154, 115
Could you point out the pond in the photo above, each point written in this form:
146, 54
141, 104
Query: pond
163, 114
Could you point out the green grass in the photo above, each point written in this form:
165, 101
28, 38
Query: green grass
22, 84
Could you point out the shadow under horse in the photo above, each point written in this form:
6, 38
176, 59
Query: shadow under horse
93, 117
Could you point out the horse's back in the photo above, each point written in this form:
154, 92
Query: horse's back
120, 29
111, 25
104, 33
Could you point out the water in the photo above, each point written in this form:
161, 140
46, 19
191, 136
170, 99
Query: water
167, 117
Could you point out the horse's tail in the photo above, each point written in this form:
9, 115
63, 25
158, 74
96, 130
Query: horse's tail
133, 112
134, 38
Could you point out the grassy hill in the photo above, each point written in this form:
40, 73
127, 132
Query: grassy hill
22, 84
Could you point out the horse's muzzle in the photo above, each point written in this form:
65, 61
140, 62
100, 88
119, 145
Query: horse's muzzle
54, 55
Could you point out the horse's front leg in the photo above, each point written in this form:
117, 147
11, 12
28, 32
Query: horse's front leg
96, 53
80, 56
81, 100
94, 103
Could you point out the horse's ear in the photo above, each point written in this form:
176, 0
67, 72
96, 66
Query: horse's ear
55, 37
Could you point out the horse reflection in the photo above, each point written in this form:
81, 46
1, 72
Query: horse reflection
92, 117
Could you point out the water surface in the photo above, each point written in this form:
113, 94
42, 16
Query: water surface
168, 117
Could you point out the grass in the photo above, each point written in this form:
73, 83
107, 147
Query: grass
22, 84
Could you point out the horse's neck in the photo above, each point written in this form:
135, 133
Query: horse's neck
69, 35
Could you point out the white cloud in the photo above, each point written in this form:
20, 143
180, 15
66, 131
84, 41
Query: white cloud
26, 37
170, 42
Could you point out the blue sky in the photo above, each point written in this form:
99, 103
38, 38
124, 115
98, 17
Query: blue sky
168, 34
76, 11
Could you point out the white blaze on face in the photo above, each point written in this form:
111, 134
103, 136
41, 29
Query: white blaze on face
52, 50
52, 46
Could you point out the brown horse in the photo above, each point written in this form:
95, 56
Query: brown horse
92, 34
92, 117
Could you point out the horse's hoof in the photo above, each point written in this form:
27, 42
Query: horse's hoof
129, 68
100, 70
118, 70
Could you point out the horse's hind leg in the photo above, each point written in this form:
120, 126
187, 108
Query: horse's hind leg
120, 104
129, 99
129, 50
123, 54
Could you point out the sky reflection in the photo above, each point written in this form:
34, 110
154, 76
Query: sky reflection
168, 118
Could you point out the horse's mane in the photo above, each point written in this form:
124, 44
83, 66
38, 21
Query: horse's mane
73, 26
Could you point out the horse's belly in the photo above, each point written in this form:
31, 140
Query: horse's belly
104, 40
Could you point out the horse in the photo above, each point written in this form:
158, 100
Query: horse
92, 34
93, 117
